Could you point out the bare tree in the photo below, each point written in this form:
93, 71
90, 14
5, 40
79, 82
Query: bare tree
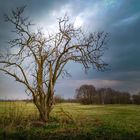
136, 98
37, 60
86, 94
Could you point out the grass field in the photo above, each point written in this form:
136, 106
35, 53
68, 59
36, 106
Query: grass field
19, 120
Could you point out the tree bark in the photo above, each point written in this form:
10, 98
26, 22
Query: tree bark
44, 115
44, 106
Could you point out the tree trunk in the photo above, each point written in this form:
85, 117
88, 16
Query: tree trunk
44, 115
44, 107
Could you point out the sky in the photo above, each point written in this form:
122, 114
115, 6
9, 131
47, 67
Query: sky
119, 18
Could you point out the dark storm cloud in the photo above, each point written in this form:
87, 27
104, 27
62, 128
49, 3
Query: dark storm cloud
122, 21
124, 44
120, 18
123, 24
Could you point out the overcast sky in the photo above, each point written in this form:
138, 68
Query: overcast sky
120, 18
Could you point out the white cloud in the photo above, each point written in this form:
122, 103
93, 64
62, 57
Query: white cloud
128, 20
96, 82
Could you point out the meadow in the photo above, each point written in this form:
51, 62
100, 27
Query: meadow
20, 120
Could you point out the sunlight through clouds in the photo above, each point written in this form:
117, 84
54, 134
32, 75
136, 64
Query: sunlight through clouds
78, 22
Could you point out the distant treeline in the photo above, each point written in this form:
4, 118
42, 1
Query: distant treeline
16, 100
88, 94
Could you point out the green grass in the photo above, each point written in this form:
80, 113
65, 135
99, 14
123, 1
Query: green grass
70, 121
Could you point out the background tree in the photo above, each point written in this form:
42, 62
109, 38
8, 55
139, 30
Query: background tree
87, 94
136, 98
37, 60
58, 99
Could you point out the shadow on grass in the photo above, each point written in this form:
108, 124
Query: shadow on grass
56, 131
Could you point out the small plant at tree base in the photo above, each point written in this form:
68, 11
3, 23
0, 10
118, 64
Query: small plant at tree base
37, 60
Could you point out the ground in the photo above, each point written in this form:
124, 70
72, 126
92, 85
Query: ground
19, 120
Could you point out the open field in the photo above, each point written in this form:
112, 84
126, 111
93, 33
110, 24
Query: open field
19, 120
